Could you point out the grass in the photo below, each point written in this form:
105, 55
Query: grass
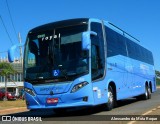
12, 104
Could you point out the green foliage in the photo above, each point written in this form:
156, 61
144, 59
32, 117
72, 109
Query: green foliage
6, 69
158, 79
158, 73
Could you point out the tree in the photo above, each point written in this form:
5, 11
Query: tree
158, 73
5, 70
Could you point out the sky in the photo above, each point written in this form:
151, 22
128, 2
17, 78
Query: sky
140, 18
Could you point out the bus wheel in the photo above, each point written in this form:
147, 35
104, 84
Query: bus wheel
149, 92
110, 103
146, 94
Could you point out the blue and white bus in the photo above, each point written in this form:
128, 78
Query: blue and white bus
84, 62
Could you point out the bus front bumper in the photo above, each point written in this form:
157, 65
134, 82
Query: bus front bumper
66, 100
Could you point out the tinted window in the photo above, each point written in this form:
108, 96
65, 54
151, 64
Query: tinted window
58, 49
115, 43
138, 52
98, 45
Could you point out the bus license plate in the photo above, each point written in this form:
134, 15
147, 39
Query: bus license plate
52, 100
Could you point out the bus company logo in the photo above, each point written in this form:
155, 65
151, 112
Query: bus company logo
51, 88
6, 118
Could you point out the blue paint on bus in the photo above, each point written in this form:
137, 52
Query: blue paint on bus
84, 62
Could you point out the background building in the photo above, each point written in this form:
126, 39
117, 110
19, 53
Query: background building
15, 83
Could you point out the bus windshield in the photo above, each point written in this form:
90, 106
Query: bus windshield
56, 54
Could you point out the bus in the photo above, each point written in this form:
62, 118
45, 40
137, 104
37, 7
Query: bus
84, 62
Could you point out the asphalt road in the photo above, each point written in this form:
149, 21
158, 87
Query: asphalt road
125, 108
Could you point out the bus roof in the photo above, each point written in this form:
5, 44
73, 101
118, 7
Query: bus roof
78, 21
62, 23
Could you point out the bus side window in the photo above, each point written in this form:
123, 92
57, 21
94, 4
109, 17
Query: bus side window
94, 60
95, 63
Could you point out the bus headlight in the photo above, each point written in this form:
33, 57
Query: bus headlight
29, 91
78, 86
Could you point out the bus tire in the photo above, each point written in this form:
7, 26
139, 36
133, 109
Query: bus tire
149, 92
145, 96
111, 100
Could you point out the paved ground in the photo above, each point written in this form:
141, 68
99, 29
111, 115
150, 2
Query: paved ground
148, 114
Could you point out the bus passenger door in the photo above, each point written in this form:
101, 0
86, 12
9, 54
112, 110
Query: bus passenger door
98, 63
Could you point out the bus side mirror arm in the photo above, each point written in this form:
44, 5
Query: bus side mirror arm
86, 39
11, 52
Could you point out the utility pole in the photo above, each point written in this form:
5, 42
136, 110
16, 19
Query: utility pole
21, 58
20, 48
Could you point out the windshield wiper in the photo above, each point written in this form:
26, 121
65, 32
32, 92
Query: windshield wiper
62, 71
42, 70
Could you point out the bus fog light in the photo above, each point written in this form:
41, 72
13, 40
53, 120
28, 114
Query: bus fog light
85, 98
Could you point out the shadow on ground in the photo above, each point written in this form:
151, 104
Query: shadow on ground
71, 114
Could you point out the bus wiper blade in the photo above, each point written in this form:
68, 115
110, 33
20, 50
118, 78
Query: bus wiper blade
71, 73
62, 71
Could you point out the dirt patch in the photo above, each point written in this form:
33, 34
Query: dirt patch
9, 107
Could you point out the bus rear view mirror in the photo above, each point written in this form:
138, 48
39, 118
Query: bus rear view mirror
11, 52
86, 40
